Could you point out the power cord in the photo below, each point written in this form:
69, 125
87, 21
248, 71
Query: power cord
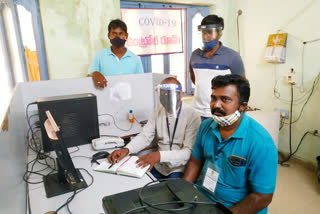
156, 206
75, 193
114, 122
314, 133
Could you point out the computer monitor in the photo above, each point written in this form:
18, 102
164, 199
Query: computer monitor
68, 178
77, 116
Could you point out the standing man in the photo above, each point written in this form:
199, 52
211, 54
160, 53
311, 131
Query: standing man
115, 60
175, 126
213, 60
237, 156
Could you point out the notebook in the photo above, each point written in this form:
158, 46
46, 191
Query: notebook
127, 166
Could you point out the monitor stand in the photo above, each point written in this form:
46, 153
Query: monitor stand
55, 185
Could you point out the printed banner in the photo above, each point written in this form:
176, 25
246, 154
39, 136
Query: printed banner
153, 31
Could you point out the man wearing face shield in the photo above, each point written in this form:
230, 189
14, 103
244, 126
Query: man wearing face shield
174, 125
236, 155
115, 60
212, 60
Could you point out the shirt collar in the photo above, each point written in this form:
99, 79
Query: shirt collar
241, 131
127, 54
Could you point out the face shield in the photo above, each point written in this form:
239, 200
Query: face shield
210, 34
168, 95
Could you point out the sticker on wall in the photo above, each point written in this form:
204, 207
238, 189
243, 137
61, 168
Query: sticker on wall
121, 91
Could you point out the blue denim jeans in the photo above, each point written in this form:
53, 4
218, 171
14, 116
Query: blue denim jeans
204, 118
158, 175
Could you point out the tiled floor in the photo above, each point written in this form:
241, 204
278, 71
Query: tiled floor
297, 191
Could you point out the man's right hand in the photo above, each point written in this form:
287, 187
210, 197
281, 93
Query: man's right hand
117, 155
98, 79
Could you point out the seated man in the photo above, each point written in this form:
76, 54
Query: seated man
115, 60
175, 126
238, 156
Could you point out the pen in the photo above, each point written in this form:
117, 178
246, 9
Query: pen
110, 166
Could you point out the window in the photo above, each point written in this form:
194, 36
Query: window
157, 64
28, 40
5, 87
175, 64
196, 35
13, 50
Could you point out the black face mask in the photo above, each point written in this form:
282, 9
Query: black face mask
117, 42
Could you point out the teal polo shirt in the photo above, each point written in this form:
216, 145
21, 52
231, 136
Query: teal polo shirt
250, 141
108, 64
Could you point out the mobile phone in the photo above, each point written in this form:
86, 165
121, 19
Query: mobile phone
237, 161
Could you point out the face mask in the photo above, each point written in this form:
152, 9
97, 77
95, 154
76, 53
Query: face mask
227, 120
117, 42
208, 46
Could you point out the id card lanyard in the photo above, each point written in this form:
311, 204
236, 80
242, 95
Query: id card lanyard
175, 127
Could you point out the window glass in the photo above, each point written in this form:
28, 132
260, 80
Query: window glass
157, 64
178, 61
13, 45
28, 39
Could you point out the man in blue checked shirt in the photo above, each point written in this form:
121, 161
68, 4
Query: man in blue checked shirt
236, 155
115, 60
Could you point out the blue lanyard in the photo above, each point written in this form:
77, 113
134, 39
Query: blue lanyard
217, 151
175, 127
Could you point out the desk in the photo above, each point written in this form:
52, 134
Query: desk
90, 199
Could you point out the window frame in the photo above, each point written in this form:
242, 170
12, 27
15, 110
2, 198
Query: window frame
191, 10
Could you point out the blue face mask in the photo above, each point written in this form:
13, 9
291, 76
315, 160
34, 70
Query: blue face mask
208, 46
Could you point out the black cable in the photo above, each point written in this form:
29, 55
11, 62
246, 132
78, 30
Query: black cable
291, 154
173, 202
316, 80
290, 130
290, 123
77, 149
168, 210
114, 122
75, 193
80, 156
27, 115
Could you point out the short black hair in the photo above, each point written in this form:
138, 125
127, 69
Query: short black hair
117, 23
213, 19
171, 80
241, 83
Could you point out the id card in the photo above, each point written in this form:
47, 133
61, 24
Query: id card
211, 177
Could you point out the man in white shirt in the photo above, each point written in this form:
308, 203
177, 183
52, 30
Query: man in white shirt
175, 125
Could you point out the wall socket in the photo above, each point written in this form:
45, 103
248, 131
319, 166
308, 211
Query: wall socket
283, 112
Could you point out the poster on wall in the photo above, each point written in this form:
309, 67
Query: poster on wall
153, 31
276, 48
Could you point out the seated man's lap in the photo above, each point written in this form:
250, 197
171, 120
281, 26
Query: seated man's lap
158, 175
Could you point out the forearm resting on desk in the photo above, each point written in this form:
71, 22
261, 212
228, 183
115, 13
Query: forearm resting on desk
251, 204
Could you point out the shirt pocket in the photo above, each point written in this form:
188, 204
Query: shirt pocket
235, 176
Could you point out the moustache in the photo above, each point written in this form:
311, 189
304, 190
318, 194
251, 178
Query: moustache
219, 111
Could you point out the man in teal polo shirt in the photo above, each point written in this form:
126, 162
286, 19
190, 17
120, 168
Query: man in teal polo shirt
237, 156
115, 60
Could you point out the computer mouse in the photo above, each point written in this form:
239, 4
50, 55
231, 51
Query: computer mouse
100, 155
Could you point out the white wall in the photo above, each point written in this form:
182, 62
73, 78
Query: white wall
300, 19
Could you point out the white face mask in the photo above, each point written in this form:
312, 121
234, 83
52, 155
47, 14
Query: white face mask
227, 120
